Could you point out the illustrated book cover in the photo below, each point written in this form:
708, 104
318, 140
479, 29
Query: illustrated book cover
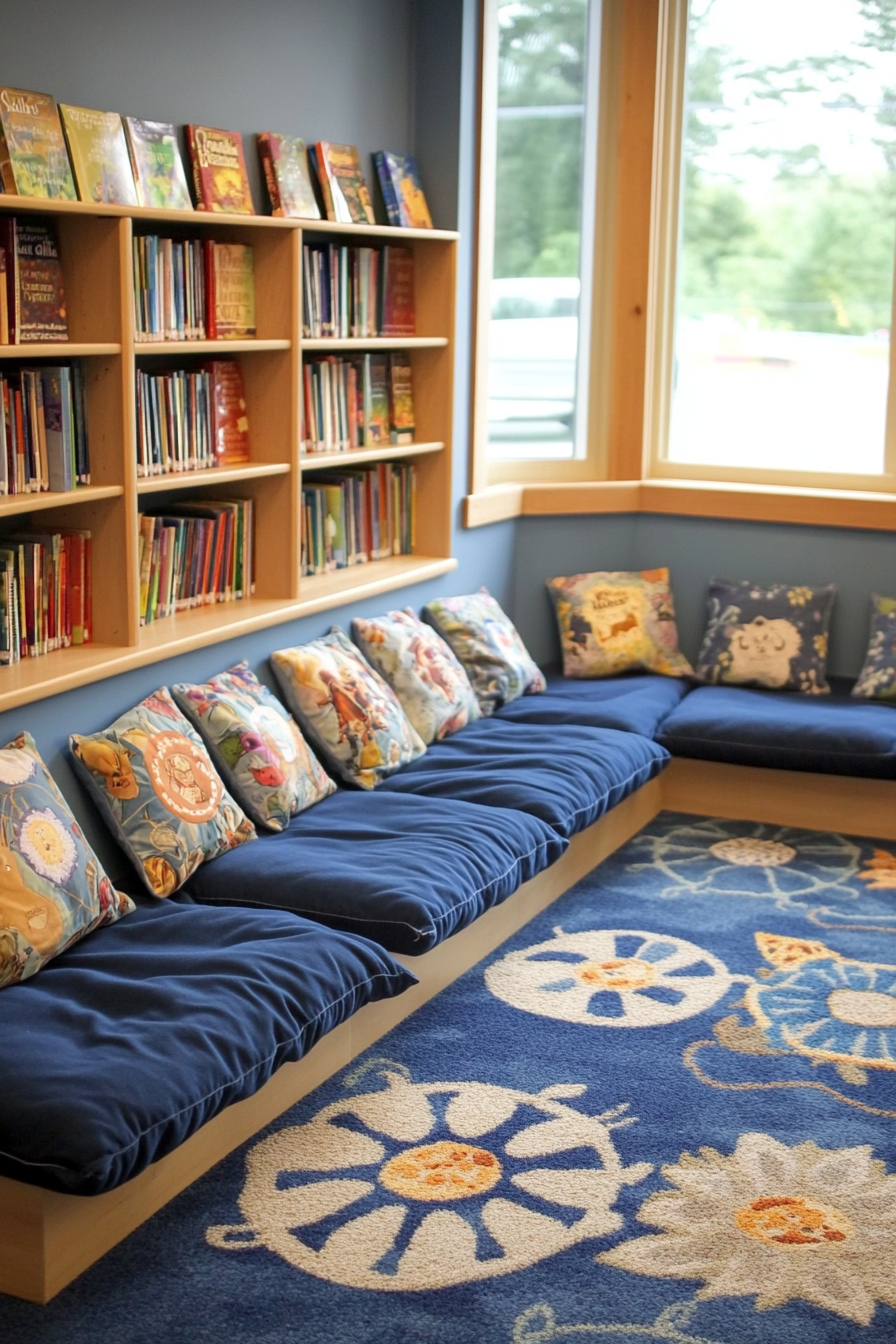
33, 157
230, 421
34, 286
342, 184
155, 159
402, 193
219, 171
230, 286
397, 309
401, 399
99, 155
284, 161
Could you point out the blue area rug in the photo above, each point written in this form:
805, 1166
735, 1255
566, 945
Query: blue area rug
664, 1110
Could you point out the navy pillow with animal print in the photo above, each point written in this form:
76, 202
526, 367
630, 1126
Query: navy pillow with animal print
773, 636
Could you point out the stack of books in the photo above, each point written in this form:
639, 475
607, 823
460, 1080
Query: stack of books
43, 430
45, 593
352, 517
357, 403
195, 554
357, 291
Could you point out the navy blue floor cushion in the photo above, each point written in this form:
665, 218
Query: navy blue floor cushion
568, 776
406, 871
634, 704
834, 735
122, 1047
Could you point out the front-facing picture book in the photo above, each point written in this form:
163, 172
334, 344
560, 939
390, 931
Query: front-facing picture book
342, 184
402, 193
33, 157
34, 288
219, 171
284, 161
99, 154
155, 159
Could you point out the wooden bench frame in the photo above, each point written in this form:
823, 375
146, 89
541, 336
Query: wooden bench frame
47, 1239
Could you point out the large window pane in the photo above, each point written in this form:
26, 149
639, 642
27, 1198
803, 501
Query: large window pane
534, 329
785, 269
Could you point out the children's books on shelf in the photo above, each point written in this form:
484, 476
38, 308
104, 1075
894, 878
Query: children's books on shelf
230, 420
397, 311
355, 516
191, 419
158, 170
220, 179
230, 284
195, 554
284, 162
33, 157
45, 593
402, 193
401, 399
343, 188
34, 287
99, 155
170, 301
351, 403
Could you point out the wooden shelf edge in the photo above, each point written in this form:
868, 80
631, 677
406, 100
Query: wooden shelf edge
59, 349
57, 499
386, 453
184, 480
250, 345
354, 585
331, 343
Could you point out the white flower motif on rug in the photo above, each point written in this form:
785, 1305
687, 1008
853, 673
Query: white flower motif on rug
611, 978
427, 1185
747, 851
774, 1222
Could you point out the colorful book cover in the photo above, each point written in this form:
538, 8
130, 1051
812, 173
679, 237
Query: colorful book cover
401, 400
230, 422
219, 171
230, 279
376, 400
342, 183
284, 161
36, 295
155, 159
397, 308
33, 157
99, 155
402, 193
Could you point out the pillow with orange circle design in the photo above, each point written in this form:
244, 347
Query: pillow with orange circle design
53, 889
154, 782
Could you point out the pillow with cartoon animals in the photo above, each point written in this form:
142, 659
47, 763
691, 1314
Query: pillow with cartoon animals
774, 637
52, 886
433, 688
155, 784
487, 645
256, 746
615, 621
349, 714
877, 679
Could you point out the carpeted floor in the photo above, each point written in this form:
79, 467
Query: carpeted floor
664, 1110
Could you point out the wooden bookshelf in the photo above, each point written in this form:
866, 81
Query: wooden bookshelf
95, 244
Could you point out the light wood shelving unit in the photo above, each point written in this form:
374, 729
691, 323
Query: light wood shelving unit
95, 244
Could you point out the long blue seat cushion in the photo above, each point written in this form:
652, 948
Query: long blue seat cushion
123, 1046
567, 776
633, 704
833, 735
405, 871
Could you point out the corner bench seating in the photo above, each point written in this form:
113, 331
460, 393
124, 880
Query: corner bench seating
192, 1035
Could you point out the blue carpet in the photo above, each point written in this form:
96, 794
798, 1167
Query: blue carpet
664, 1110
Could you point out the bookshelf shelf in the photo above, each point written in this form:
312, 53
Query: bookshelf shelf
59, 351
186, 480
388, 453
362, 343
169, 348
50, 499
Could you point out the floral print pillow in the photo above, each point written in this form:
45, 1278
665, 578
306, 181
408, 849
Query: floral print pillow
615, 621
346, 710
155, 784
256, 745
488, 647
877, 679
775, 637
52, 886
433, 688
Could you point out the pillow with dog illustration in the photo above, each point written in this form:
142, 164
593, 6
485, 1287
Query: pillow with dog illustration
615, 621
773, 636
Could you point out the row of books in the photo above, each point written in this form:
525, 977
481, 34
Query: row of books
357, 403
191, 419
62, 152
45, 593
356, 516
43, 430
192, 290
357, 291
194, 555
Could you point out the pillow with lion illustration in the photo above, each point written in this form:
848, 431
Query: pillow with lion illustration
616, 621
773, 636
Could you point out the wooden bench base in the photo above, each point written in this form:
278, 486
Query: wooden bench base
47, 1239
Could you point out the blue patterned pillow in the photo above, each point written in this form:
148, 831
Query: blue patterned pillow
52, 886
877, 679
775, 637
155, 784
349, 714
487, 645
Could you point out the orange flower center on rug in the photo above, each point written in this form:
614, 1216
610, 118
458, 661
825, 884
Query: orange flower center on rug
441, 1171
863, 1007
792, 1222
621, 973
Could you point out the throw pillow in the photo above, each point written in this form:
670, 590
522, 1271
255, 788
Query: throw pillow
346, 710
617, 621
488, 647
256, 746
877, 679
164, 801
775, 636
430, 683
52, 886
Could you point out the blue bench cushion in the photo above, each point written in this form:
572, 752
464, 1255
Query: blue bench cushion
834, 735
634, 704
566, 776
128, 1042
406, 871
